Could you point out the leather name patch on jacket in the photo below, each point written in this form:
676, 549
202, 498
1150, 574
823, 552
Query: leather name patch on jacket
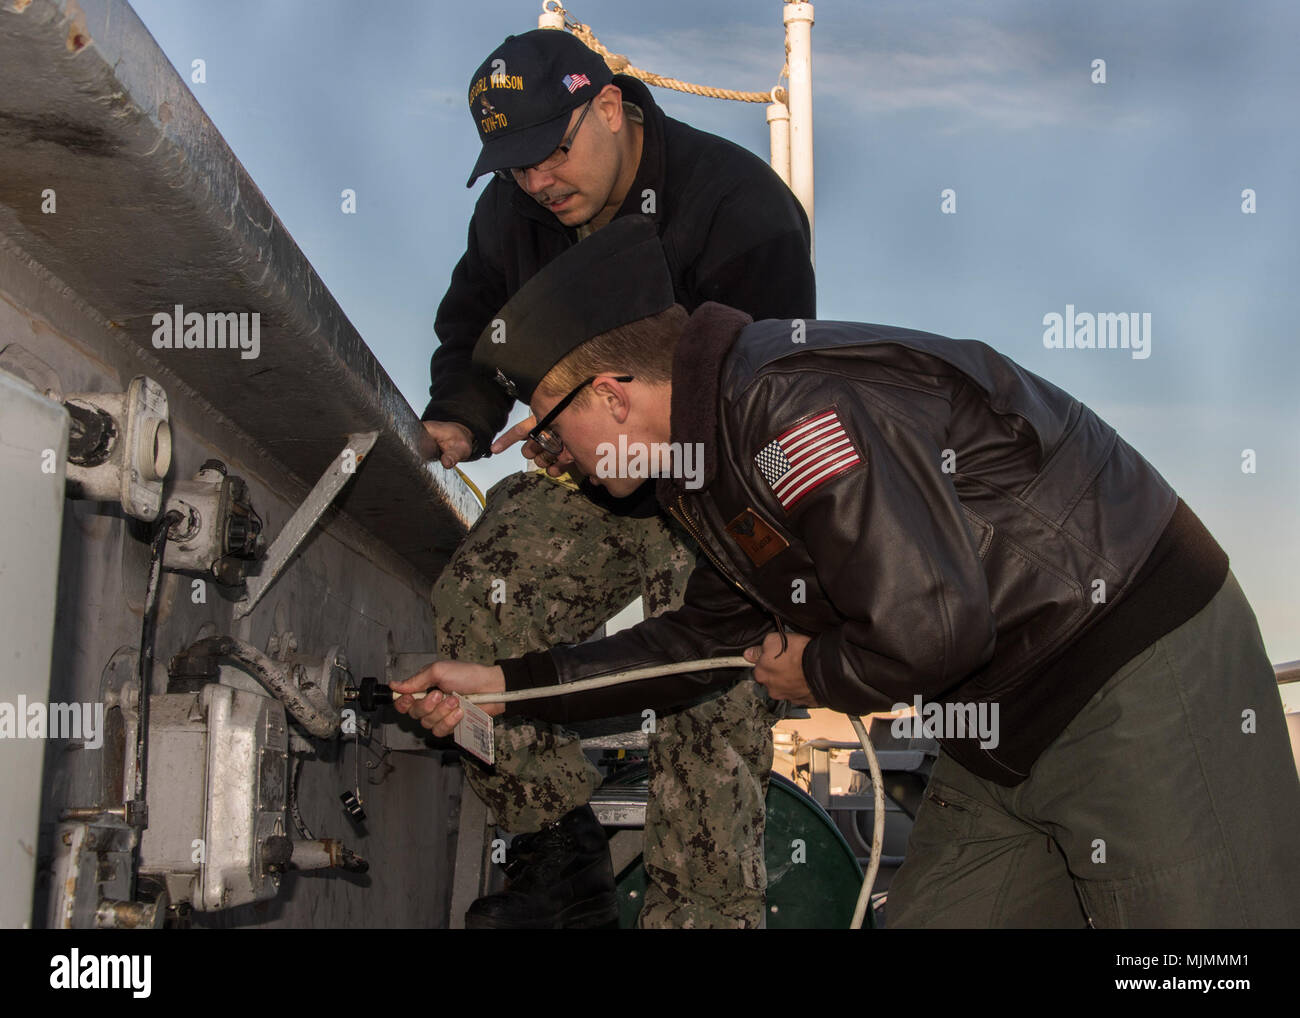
756, 538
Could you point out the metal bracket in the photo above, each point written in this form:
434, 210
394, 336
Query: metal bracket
304, 519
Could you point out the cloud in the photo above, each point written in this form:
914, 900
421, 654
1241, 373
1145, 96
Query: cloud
978, 74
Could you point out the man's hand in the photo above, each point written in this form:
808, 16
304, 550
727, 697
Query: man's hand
447, 441
781, 672
439, 712
532, 451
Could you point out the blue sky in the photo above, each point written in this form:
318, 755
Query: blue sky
1122, 197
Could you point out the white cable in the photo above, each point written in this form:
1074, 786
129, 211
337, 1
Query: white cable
878, 824
706, 664
612, 679
599, 682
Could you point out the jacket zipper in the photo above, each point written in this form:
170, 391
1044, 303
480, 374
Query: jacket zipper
685, 520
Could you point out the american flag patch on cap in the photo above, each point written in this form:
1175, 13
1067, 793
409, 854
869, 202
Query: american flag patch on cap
807, 456
573, 82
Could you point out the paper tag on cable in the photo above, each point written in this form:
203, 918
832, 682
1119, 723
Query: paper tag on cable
474, 732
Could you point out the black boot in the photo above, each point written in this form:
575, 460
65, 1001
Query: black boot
560, 878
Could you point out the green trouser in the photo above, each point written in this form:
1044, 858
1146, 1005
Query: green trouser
544, 566
1171, 800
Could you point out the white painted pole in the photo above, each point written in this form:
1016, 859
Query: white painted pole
798, 18
778, 125
552, 15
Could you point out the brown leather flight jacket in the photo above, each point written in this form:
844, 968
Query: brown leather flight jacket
990, 523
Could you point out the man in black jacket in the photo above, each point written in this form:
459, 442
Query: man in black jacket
574, 148
921, 517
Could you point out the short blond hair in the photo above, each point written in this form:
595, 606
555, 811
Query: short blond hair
643, 348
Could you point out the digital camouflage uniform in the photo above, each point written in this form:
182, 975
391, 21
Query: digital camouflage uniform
566, 566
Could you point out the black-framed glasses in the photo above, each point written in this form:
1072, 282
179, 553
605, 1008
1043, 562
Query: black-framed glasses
549, 440
556, 158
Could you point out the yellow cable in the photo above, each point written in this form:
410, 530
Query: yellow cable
472, 487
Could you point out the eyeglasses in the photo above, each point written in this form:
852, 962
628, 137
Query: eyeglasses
556, 158
549, 440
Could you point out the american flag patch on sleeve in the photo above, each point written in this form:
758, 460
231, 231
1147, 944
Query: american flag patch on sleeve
808, 455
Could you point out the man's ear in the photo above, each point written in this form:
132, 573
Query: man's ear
610, 104
614, 398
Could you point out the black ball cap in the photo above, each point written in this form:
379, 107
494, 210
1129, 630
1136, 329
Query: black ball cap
522, 94
616, 276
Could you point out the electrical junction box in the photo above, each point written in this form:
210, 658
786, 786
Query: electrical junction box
217, 782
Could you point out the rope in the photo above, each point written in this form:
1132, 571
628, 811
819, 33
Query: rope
620, 64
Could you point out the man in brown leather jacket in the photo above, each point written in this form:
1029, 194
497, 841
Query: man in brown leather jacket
920, 517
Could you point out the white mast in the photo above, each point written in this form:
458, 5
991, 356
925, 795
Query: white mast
798, 18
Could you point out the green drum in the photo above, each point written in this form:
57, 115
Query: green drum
813, 877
